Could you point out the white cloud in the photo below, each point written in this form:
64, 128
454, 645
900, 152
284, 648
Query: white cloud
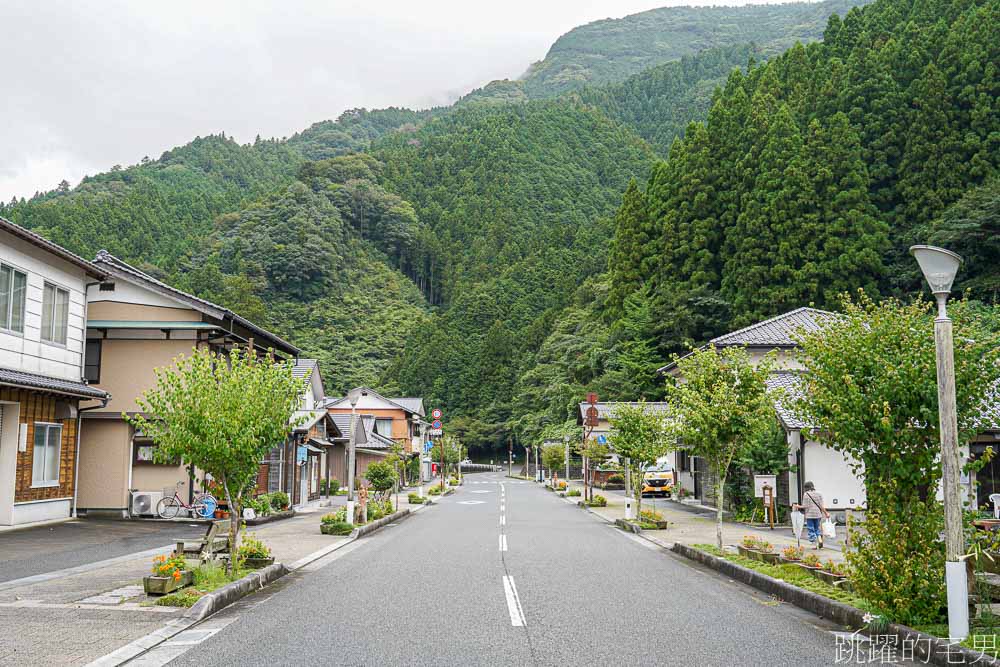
93, 84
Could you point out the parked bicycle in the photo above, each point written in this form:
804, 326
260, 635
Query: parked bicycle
203, 504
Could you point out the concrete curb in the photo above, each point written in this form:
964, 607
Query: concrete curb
268, 518
223, 597
369, 528
930, 649
627, 526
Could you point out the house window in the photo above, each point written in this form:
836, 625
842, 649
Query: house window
55, 314
13, 286
144, 451
45, 455
92, 361
384, 427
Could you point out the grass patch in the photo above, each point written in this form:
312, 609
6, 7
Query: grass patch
791, 574
207, 578
983, 636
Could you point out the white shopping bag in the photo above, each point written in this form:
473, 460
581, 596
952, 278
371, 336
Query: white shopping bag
829, 528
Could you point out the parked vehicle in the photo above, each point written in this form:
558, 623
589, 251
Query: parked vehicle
658, 479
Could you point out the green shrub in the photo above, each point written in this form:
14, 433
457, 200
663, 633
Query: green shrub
378, 509
434, 490
261, 505
337, 528
279, 500
651, 515
329, 486
598, 501
453, 480
253, 547
416, 499
340, 516
381, 475
573, 492
616, 479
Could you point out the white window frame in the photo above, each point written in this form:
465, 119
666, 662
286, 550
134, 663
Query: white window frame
47, 427
49, 336
5, 321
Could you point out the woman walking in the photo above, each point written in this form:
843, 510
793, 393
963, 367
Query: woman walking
815, 510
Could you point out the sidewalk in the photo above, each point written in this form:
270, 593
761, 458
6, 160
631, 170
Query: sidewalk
78, 616
695, 526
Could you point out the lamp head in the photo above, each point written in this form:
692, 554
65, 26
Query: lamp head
938, 265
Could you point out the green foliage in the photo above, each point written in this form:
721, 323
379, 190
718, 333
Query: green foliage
597, 501
971, 227
336, 528
220, 415
329, 486
871, 382
434, 490
252, 546
641, 435
382, 476
572, 493
616, 479
279, 500
554, 458
261, 505
415, 499
612, 49
721, 406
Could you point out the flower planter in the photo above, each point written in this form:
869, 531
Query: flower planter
163, 585
259, 563
769, 557
810, 570
828, 577
747, 552
660, 525
790, 561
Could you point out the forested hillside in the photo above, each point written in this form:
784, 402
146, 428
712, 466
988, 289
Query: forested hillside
812, 175
611, 50
504, 255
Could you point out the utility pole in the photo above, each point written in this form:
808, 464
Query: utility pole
510, 457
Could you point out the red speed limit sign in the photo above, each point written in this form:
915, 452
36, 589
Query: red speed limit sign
436, 413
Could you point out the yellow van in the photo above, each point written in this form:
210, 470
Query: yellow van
658, 478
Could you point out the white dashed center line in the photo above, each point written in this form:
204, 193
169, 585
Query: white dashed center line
513, 603
503, 543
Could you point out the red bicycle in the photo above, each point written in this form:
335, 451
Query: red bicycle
203, 505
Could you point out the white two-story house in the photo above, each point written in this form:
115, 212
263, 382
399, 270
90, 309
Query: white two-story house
43, 311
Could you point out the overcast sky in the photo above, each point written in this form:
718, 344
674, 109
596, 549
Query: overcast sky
91, 84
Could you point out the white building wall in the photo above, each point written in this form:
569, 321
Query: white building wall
833, 476
27, 352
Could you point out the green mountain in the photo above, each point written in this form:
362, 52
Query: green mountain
503, 255
613, 49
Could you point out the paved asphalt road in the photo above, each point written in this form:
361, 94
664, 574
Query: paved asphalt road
24, 553
431, 590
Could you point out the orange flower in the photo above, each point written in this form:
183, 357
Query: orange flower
177, 575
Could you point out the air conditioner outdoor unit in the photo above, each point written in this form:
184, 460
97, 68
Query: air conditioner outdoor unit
144, 502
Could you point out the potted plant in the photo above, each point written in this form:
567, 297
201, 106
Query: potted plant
792, 554
748, 546
254, 553
766, 554
831, 573
811, 562
169, 574
655, 518
336, 523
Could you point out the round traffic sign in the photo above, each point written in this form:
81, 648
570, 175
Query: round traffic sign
436, 413
436, 423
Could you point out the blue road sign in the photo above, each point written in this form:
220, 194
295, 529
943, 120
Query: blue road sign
602, 439
436, 424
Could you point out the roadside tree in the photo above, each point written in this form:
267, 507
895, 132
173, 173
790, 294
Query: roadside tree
220, 414
870, 384
553, 458
720, 409
640, 436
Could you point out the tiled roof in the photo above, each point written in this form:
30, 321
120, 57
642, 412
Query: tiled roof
303, 368
414, 405
375, 441
777, 331
607, 410
105, 260
790, 384
411, 405
13, 378
45, 244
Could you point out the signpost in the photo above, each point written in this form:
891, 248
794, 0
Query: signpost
764, 487
591, 420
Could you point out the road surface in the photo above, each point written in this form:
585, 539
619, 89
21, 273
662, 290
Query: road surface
505, 573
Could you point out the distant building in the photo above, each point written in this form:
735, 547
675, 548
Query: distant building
136, 324
43, 308
381, 424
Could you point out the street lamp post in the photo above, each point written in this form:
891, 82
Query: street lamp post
353, 396
939, 267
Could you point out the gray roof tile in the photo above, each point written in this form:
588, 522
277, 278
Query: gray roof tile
607, 410
46, 383
777, 331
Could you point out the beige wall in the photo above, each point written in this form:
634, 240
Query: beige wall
127, 368
104, 464
112, 310
156, 477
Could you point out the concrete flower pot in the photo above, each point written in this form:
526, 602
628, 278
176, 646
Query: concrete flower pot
163, 585
259, 563
828, 577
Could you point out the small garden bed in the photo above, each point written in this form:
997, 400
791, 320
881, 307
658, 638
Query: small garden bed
207, 578
415, 499
755, 548
597, 501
